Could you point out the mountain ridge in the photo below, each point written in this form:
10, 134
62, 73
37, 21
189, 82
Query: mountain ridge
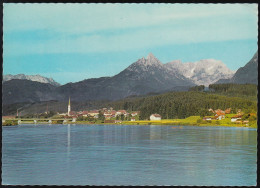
202, 72
146, 75
245, 74
37, 78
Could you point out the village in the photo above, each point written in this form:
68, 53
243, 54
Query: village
109, 115
237, 118
112, 116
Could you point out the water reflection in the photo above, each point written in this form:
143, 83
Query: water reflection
155, 132
68, 138
128, 155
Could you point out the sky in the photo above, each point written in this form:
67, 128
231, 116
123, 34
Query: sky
73, 42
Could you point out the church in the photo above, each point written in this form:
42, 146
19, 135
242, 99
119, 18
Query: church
69, 109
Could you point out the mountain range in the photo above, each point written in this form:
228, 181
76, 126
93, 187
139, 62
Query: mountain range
203, 72
146, 75
37, 78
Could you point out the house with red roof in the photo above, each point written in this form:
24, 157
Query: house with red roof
113, 113
227, 111
108, 117
155, 117
85, 113
72, 113
235, 118
132, 119
119, 112
135, 113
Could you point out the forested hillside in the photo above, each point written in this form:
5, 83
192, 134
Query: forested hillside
248, 91
184, 104
170, 105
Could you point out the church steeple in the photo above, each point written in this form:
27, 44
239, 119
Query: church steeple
69, 107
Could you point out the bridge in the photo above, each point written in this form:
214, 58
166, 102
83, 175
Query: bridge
38, 120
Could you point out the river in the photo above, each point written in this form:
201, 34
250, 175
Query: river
128, 155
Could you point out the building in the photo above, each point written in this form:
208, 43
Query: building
85, 113
94, 113
69, 108
235, 118
113, 113
155, 117
132, 119
107, 114
72, 113
207, 118
219, 111
135, 113
220, 114
119, 112
227, 111
8, 117
245, 121
108, 117
220, 117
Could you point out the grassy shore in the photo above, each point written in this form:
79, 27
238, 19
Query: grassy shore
193, 121
190, 121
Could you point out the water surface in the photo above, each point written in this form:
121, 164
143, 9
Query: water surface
128, 155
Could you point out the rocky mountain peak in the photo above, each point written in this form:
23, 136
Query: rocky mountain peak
203, 72
37, 78
152, 60
150, 56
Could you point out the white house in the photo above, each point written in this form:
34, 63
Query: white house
220, 117
132, 119
207, 118
155, 117
93, 113
235, 118
119, 112
135, 113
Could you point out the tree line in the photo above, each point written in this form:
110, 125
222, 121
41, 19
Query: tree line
184, 104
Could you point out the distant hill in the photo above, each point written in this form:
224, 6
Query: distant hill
246, 74
183, 104
169, 105
248, 91
36, 78
15, 91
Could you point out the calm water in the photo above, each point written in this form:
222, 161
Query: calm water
128, 155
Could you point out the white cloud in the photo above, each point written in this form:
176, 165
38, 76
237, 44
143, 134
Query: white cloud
151, 25
82, 18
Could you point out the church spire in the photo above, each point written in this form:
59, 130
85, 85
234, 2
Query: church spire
69, 107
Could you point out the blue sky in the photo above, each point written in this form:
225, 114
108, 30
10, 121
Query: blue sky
72, 42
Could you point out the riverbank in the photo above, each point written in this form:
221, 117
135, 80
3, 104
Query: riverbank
190, 121
194, 121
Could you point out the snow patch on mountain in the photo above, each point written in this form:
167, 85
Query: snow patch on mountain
203, 72
36, 78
